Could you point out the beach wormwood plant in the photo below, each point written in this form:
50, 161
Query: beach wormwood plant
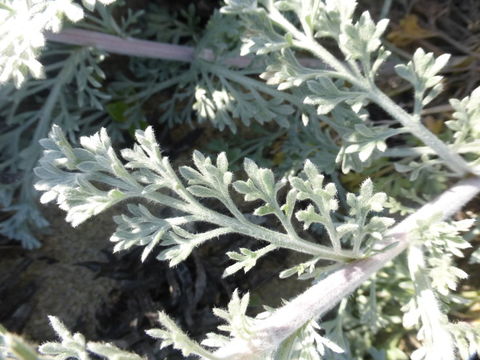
365, 251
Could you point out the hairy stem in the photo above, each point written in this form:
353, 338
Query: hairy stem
325, 294
256, 231
413, 124
452, 159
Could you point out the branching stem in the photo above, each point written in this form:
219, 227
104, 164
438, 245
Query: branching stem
411, 123
451, 158
253, 230
137, 47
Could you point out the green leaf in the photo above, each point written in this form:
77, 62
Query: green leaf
466, 118
309, 216
117, 110
239, 6
245, 259
112, 352
173, 335
422, 72
359, 40
326, 95
264, 210
306, 343
290, 202
202, 191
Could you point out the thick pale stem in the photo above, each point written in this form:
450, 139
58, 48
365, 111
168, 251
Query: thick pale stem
473, 147
123, 46
151, 49
325, 294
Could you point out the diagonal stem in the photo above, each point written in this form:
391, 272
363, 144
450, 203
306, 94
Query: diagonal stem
325, 294
151, 49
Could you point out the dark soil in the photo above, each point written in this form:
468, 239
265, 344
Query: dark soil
114, 298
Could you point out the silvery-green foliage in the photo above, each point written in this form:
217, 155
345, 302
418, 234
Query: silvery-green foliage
226, 95
361, 145
326, 95
362, 38
75, 81
281, 27
307, 344
359, 40
425, 164
69, 175
372, 309
366, 141
289, 148
323, 90
466, 337
238, 325
240, 6
77, 70
308, 142
219, 92
143, 228
14, 347
424, 311
21, 32
70, 345
152, 76
172, 27
285, 71
466, 122
358, 230
376, 306
222, 103
362, 142
443, 241
87, 179
434, 276
75, 346
331, 16
467, 117
422, 72
18, 47
171, 334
